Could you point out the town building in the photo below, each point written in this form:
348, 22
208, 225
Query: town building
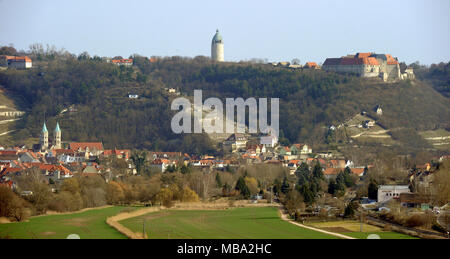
269, 141
388, 192
122, 62
235, 142
312, 65
379, 110
16, 62
91, 148
217, 48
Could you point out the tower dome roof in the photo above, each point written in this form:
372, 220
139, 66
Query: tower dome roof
217, 38
57, 129
44, 128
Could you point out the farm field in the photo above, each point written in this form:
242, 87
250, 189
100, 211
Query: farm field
239, 223
352, 228
88, 225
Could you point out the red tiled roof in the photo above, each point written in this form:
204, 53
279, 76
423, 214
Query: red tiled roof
11, 170
161, 161
83, 145
390, 60
357, 171
351, 61
118, 61
363, 55
7, 184
311, 64
8, 152
298, 145
64, 151
331, 171
359, 61
19, 59
6, 57
332, 62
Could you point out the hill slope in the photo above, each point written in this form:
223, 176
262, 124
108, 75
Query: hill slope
309, 100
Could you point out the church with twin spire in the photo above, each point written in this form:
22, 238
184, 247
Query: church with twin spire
44, 141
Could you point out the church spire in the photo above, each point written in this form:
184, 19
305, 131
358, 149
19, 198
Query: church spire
43, 140
44, 128
57, 137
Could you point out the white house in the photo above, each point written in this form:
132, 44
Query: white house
68, 158
387, 192
161, 164
269, 141
235, 142
20, 62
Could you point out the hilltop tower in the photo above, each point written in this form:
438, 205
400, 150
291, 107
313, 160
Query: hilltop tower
217, 53
43, 141
57, 137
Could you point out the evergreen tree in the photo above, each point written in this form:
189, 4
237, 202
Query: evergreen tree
242, 188
185, 169
332, 186
276, 187
373, 190
308, 195
218, 180
285, 186
317, 172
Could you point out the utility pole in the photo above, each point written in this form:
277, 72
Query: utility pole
143, 228
271, 195
361, 226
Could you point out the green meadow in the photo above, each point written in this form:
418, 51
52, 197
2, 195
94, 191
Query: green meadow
90, 224
238, 223
382, 234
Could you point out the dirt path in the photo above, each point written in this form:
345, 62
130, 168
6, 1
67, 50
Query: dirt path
71, 212
6, 133
285, 218
114, 221
8, 121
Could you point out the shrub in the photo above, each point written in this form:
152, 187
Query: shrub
438, 228
12, 206
188, 195
415, 221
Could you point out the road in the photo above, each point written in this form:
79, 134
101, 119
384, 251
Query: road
285, 218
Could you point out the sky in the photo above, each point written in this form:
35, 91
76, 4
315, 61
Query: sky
412, 30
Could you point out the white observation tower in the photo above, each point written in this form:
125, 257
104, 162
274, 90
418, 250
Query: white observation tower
217, 48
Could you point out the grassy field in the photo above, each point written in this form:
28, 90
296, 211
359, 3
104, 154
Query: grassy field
239, 223
352, 228
88, 225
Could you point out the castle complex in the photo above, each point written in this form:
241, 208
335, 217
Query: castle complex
369, 65
217, 53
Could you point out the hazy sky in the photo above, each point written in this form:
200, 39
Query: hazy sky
275, 30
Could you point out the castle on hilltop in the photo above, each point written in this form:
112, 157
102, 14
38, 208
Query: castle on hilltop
369, 65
